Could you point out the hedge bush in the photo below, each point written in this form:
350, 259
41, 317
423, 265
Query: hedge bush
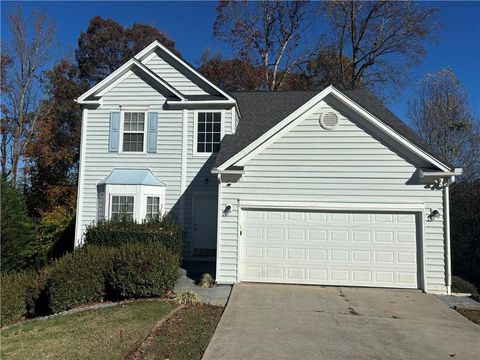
92, 274
117, 232
142, 270
13, 290
96, 273
21, 295
78, 278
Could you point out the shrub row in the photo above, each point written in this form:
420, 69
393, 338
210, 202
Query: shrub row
117, 232
92, 274
22, 295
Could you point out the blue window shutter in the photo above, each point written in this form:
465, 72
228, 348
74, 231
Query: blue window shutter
152, 132
114, 131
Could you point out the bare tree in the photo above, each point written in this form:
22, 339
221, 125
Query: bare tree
29, 49
267, 34
381, 38
440, 113
5, 120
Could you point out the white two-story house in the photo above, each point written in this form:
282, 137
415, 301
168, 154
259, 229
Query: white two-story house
308, 187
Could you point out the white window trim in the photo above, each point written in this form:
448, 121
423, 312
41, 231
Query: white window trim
139, 193
110, 203
195, 130
161, 204
145, 129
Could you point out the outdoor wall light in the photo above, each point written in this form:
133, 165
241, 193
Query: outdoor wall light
227, 210
434, 214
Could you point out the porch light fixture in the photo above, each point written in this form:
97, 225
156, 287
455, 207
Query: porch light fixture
434, 214
227, 210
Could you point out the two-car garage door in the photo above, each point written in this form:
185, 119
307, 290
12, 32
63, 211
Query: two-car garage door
329, 248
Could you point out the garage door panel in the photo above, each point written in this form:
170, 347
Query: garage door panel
331, 276
360, 249
331, 253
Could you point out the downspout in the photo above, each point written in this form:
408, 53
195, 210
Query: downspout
446, 224
219, 227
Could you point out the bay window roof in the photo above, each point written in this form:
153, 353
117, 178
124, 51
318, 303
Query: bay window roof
132, 177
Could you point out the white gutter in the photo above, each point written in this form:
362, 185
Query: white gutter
235, 172
202, 102
455, 172
88, 102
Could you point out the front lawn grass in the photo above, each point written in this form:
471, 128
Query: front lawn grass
184, 336
92, 334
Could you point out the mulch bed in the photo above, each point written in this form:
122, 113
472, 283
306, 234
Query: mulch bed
470, 314
185, 335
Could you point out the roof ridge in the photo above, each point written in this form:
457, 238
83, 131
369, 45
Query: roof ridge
272, 91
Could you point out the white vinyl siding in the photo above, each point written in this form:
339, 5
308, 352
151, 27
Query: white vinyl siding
346, 165
171, 75
166, 164
199, 179
98, 162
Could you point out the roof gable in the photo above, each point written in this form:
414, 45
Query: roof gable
174, 75
95, 93
201, 89
244, 146
182, 66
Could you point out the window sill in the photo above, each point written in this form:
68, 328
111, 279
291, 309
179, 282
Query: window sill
134, 153
205, 154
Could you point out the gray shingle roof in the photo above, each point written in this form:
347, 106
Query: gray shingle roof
263, 110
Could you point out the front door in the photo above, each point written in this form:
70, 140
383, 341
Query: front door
204, 226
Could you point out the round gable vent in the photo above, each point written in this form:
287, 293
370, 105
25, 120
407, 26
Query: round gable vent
329, 120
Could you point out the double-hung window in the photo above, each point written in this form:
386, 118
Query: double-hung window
153, 208
122, 207
208, 132
133, 132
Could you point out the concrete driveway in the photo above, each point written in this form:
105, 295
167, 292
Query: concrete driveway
312, 322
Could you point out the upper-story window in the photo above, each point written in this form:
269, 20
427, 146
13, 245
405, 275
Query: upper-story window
208, 131
133, 132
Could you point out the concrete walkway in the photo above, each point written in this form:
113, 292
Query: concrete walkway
217, 295
312, 322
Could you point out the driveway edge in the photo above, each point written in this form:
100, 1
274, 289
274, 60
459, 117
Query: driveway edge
208, 350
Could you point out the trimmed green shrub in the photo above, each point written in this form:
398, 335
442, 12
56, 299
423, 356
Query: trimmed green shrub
92, 274
23, 295
78, 278
118, 232
13, 290
460, 285
35, 297
142, 270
